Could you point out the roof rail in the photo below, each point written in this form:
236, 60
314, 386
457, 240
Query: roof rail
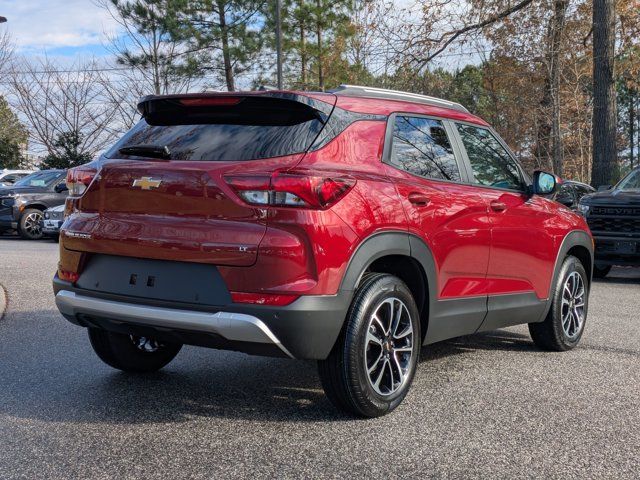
371, 92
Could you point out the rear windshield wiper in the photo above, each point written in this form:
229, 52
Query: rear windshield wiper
152, 151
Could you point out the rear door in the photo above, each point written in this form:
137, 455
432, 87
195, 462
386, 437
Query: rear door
161, 192
522, 230
449, 215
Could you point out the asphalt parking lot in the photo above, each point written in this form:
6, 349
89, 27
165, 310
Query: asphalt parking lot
489, 405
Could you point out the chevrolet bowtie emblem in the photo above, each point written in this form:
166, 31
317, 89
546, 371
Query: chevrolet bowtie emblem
146, 183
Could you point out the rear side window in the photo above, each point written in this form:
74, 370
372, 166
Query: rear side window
421, 146
490, 162
255, 128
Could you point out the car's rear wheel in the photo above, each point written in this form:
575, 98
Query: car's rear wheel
601, 271
132, 353
370, 369
564, 324
30, 224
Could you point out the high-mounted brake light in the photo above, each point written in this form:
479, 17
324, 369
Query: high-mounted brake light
209, 101
300, 190
78, 179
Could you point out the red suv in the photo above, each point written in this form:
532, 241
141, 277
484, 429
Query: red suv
349, 227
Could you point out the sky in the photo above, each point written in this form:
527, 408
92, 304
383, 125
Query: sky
64, 28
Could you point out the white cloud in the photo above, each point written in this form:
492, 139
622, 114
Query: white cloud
38, 25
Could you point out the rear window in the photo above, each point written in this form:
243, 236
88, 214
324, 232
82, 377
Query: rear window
255, 128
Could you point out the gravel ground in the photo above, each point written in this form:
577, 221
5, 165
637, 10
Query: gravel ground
488, 405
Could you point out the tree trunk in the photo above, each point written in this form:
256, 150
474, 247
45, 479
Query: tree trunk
226, 55
303, 54
638, 133
319, 44
632, 122
559, 16
604, 95
549, 136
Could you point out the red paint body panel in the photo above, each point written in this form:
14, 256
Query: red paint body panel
455, 224
194, 215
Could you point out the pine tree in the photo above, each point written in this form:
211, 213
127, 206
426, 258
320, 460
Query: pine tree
13, 137
226, 34
154, 42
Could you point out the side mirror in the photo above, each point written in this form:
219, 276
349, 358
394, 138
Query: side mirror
544, 183
61, 187
602, 188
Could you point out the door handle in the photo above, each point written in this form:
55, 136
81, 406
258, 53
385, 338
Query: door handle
419, 199
497, 206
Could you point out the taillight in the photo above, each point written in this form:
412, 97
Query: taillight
78, 179
300, 190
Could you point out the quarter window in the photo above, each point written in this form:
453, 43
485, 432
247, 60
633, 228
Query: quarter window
490, 162
421, 146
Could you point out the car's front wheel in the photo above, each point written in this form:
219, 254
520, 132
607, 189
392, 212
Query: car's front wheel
564, 324
132, 353
370, 369
30, 224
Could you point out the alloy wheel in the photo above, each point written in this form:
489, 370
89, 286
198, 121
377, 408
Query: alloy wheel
32, 224
573, 303
389, 346
145, 344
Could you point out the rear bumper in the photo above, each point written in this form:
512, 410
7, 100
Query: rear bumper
235, 327
614, 250
306, 329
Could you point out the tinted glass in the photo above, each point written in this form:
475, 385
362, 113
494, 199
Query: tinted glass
39, 179
565, 194
631, 182
253, 129
582, 191
491, 163
421, 146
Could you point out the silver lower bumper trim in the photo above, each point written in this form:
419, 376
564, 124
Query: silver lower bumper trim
232, 326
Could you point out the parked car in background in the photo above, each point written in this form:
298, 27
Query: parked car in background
22, 205
570, 193
52, 221
613, 214
9, 177
349, 227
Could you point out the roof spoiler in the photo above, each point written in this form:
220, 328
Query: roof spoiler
235, 107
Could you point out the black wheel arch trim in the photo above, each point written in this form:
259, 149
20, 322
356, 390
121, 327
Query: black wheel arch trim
394, 242
575, 238
386, 243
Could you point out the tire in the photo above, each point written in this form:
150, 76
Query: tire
365, 343
29, 226
122, 352
601, 271
565, 322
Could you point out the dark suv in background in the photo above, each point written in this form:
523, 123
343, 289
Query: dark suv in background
22, 205
613, 215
